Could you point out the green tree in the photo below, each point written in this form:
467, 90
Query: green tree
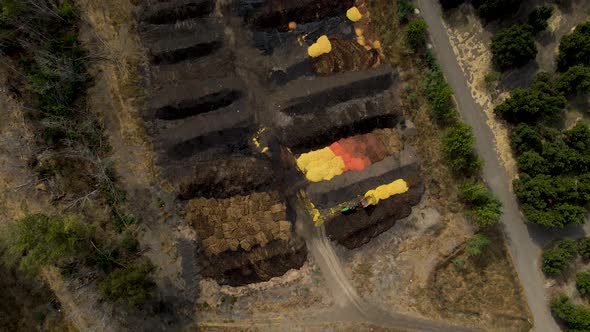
493, 9
131, 285
578, 138
439, 94
584, 188
476, 244
38, 240
483, 207
574, 49
474, 193
575, 317
556, 259
488, 214
513, 47
458, 147
550, 201
416, 34
539, 16
527, 105
526, 138
561, 159
575, 81
584, 247
583, 283
405, 10
532, 163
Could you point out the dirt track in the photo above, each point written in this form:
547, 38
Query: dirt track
347, 299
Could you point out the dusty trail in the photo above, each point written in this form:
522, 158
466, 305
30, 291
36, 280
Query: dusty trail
350, 304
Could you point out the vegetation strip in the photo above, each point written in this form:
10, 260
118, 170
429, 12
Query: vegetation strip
39, 41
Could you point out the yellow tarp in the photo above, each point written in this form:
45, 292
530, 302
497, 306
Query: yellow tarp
320, 165
385, 191
321, 46
354, 14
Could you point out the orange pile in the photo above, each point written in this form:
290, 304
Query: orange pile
348, 154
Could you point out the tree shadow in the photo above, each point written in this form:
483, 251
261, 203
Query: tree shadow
519, 78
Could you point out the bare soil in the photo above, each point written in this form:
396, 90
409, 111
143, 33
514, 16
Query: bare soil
472, 291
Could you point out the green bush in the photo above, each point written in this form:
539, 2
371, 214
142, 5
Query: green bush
38, 240
458, 147
106, 259
575, 81
492, 79
459, 262
584, 247
556, 259
578, 138
416, 33
487, 214
528, 105
129, 243
539, 16
131, 285
574, 49
513, 47
583, 283
405, 10
122, 220
439, 94
575, 317
474, 193
476, 244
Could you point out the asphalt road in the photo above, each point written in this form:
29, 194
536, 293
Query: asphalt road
347, 300
525, 240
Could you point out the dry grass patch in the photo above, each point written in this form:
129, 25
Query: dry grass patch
482, 289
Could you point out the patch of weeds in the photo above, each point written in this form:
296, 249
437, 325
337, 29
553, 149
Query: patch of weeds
129, 243
492, 78
106, 259
459, 262
122, 220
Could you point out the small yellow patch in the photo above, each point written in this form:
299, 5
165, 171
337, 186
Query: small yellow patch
358, 32
320, 165
385, 191
361, 40
321, 46
354, 14
292, 25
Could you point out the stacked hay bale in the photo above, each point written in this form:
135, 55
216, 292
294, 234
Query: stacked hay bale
239, 222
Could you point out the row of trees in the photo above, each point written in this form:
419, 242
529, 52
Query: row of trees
458, 143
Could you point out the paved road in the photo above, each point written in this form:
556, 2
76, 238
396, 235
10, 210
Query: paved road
345, 295
525, 241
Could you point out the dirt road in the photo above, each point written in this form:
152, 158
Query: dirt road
525, 240
347, 299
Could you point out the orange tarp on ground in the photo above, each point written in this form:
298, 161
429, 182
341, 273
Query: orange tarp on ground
348, 154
